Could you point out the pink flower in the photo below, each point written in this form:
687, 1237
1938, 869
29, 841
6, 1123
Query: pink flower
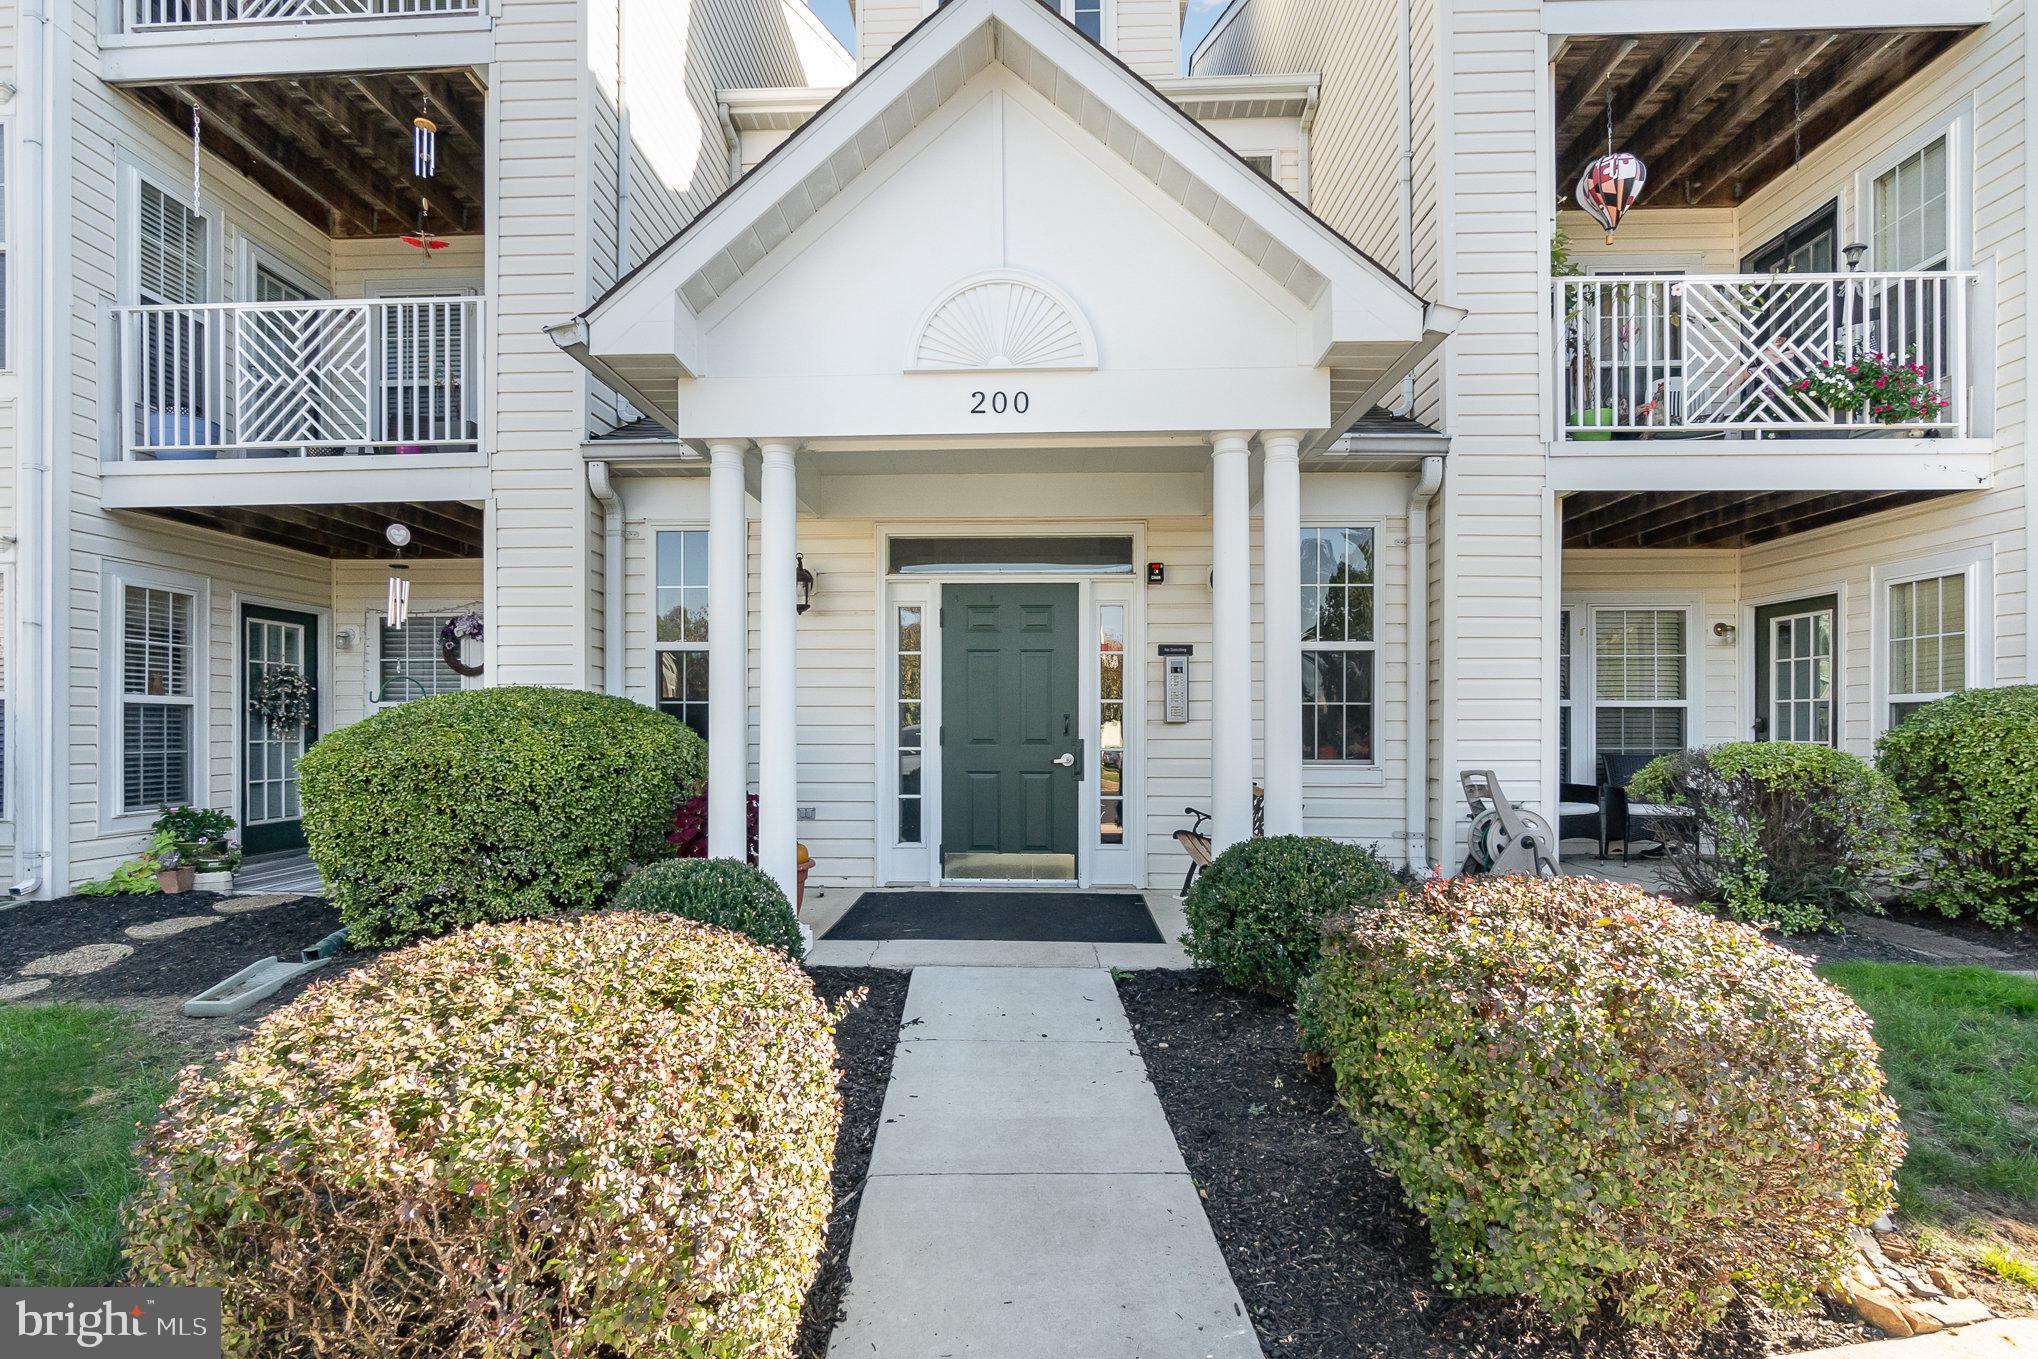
1882, 382
1852, 369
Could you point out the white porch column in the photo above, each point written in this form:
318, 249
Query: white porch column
778, 740
1281, 540
728, 652
1231, 730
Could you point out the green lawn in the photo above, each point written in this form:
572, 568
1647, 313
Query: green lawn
1960, 1046
75, 1081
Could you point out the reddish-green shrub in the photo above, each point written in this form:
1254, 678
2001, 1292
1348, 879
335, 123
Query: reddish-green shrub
603, 1135
1603, 1100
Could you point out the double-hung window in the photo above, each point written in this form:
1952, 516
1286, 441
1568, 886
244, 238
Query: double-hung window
171, 254
681, 643
1927, 641
1641, 703
1339, 650
408, 660
1912, 217
157, 697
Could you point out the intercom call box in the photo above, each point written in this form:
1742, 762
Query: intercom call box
1175, 682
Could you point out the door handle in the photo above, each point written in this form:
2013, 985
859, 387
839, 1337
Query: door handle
1066, 761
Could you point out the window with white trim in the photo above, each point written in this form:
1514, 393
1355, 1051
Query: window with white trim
1912, 211
1339, 651
1928, 641
158, 697
408, 660
1111, 724
912, 643
1086, 15
680, 644
4, 278
1641, 686
1564, 694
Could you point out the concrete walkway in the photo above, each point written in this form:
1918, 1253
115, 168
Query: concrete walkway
1026, 1196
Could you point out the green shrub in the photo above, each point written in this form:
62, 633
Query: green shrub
1603, 1100
1255, 913
494, 804
721, 892
1967, 766
1783, 833
591, 1137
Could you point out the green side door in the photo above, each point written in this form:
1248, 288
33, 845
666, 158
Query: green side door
271, 815
1011, 736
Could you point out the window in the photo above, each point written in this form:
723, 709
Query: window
1564, 694
157, 699
912, 734
681, 641
1640, 705
1087, 15
1911, 212
3, 248
1338, 650
1263, 163
3, 698
1927, 642
407, 663
170, 271
1111, 724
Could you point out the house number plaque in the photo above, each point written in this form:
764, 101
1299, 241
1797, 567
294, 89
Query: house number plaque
1000, 403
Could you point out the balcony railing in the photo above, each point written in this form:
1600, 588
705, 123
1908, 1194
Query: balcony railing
1735, 355
146, 15
300, 379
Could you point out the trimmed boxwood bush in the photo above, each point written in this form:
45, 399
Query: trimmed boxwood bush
493, 804
718, 892
1603, 1100
1967, 766
596, 1136
1256, 911
1783, 833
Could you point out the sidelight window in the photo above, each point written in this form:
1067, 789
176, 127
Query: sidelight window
680, 642
1339, 651
1111, 724
908, 710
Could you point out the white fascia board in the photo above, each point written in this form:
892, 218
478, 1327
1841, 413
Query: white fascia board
336, 47
376, 478
1796, 465
1370, 302
764, 109
1591, 18
1191, 92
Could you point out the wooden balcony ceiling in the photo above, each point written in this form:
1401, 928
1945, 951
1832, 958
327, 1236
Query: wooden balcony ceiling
337, 149
1715, 518
441, 529
1716, 116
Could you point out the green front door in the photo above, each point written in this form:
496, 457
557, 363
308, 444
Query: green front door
273, 640
1011, 736
1795, 660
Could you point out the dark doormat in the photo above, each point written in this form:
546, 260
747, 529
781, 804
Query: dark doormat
1033, 917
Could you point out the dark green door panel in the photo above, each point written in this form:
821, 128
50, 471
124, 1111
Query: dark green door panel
270, 815
1794, 699
1009, 696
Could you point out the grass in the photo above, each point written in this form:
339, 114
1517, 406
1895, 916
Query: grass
75, 1083
1960, 1046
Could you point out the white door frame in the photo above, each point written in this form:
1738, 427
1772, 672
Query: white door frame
323, 636
920, 865
1747, 652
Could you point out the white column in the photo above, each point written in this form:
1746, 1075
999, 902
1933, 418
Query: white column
778, 740
1231, 732
728, 652
1281, 540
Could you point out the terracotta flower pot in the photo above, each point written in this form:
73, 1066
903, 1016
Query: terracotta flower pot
174, 880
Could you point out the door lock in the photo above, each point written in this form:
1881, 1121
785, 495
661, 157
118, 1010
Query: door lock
1066, 761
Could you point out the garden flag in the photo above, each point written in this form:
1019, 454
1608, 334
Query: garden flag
1609, 187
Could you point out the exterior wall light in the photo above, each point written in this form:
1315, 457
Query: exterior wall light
1854, 253
1723, 631
803, 581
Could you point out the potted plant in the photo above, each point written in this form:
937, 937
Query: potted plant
806, 866
173, 875
201, 841
1890, 389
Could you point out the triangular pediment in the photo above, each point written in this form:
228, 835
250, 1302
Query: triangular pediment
1000, 195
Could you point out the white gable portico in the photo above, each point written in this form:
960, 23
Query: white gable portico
1004, 274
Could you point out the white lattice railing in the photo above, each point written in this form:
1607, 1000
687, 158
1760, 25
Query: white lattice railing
305, 379
1725, 354
143, 15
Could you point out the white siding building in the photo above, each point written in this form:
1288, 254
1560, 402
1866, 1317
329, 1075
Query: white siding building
994, 439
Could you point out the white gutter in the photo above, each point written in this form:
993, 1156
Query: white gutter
34, 801
1419, 496
614, 634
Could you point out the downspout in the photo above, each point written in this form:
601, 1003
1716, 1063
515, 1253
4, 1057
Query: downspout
625, 203
732, 140
1417, 574
1310, 107
1404, 54
614, 633
30, 655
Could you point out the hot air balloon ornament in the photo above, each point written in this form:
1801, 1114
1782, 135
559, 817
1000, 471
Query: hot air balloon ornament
1609, 187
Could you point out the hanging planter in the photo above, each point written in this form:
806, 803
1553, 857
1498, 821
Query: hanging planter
457, 630
283, 699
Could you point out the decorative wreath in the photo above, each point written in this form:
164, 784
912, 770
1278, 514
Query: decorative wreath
457, 630
283, 698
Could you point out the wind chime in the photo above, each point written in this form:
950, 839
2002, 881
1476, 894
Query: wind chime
424, 162
396, 605
1612, 184
196, 205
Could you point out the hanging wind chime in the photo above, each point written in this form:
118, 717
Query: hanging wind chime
396, 605
196, 205
424, 162
1612, 184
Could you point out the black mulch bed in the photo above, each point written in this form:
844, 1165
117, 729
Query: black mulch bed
864, 1043
2019, 940
1843, 947
1330, 1262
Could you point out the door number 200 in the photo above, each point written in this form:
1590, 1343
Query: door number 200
998, 403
